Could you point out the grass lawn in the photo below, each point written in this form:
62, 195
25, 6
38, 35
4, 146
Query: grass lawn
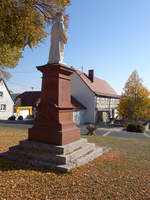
123, 173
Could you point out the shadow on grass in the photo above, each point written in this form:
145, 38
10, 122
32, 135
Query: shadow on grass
8, 164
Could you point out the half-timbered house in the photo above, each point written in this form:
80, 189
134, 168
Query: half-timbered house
99, 98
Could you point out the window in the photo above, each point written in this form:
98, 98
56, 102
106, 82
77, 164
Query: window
1, 94
2, 107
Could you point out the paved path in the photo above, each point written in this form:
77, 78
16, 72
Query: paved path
147, 135
15, 125
118, 132
121, 133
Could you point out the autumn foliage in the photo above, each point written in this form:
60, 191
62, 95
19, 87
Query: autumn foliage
121, 174
135, 101
22, 23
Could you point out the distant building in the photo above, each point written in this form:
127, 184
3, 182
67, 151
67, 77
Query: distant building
6, 101
99, 98
27, 102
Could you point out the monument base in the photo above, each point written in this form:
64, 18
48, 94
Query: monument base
59, 158
49, 135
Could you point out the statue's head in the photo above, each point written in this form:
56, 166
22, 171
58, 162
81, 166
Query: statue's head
59, 16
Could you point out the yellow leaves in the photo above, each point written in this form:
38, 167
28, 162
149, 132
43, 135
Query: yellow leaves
135, 102
9, 56
22, 24
129, 177
63, 3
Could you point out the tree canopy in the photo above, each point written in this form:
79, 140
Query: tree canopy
22, 23
135, 101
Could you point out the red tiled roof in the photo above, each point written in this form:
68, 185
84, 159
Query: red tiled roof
32, 98
98, 86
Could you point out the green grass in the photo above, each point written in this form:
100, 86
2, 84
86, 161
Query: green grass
137, 148
122, 174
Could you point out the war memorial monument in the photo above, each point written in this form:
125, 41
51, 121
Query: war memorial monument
54, 141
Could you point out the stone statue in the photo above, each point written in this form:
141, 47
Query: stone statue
56, 15
58, 39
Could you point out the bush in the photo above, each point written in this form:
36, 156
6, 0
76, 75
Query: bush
131, 127
140, 128
20, 118
136, 128
91, 128
12, 118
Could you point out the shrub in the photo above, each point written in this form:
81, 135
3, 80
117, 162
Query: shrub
12, 118
140, 128
91, 128
20, 118
131, 127
136, 128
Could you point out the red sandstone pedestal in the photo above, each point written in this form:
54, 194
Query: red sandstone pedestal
54, 121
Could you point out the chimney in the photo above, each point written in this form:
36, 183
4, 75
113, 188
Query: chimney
91, 75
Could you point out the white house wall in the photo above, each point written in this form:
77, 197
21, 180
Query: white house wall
7, 100
85, 96
78, 117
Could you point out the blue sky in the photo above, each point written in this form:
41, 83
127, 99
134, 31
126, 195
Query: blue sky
110, 36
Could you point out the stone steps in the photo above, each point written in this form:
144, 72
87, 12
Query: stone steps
55, 158
53, 166
88, 147
38, 154
81, 160
25, 160
66, 149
